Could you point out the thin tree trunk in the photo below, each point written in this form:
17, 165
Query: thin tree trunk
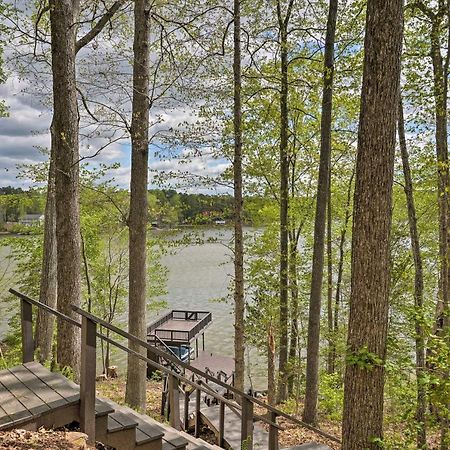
340, 271
239, 305
63, 19
418, 285
284, 208
48, 289
271, 351
86, 274
136, 372
369, 300
331, 337
312, 361
440, 74
293, 283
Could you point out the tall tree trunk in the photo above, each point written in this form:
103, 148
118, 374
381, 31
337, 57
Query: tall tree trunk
440, 75
340, 270
239, 305
136, 372
293, 283
284, 208
312, 361
418, 284
48, 289
331, 337
369, 300
63, 20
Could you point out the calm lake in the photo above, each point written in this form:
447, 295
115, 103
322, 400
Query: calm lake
198, 275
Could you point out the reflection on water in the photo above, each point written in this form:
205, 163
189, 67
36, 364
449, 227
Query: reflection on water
198, 275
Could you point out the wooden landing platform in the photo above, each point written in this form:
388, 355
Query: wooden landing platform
210, 363
30, 393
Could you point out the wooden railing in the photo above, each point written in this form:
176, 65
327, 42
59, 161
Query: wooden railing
204, 318
197, 383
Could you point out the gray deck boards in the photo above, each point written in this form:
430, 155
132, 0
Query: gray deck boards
232, 434
29, 391
60, 384
42, 391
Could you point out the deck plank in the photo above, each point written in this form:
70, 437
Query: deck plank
42, 390
23, 394
12, 406
4, 417
232, 432
64, 387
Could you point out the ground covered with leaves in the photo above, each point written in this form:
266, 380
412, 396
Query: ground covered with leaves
42, 440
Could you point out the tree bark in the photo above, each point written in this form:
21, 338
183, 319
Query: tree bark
418, 284
271, 352
63, 19
239, 305
293, 283
284, 210
369, 300
315, 300
137, 222
48, 288
440, 79
331, 337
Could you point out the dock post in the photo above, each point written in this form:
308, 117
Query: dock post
273, 432
87, 379
221, 439
196, 347
203, 341
198, 394
174, 402
247, 424
27, 331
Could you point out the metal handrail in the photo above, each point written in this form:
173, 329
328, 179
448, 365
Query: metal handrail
247, 400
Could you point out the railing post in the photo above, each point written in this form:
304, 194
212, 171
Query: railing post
186, 409
221, 424
247, 424
174, 402
273, 432
26, 310
198, 394
87, 379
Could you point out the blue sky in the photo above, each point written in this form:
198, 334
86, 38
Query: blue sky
27, 129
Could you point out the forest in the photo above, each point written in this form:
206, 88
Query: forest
166, 208
322, 124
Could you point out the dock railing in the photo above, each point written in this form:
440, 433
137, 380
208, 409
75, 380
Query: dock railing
203, 318
89, 333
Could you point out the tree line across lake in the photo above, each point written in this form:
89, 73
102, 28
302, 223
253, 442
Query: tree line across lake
167, 208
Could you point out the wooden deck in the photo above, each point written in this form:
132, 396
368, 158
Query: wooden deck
29, 392
179, 325
206, 361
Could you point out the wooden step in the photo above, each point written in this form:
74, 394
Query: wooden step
121, 431
147, 436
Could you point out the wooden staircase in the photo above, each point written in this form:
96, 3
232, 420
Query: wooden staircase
31, 397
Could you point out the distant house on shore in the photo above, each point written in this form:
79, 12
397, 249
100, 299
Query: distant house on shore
30, 220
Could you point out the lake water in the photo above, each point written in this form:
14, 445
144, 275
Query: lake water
198, 275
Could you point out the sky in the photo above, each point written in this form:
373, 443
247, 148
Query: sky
25, 133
